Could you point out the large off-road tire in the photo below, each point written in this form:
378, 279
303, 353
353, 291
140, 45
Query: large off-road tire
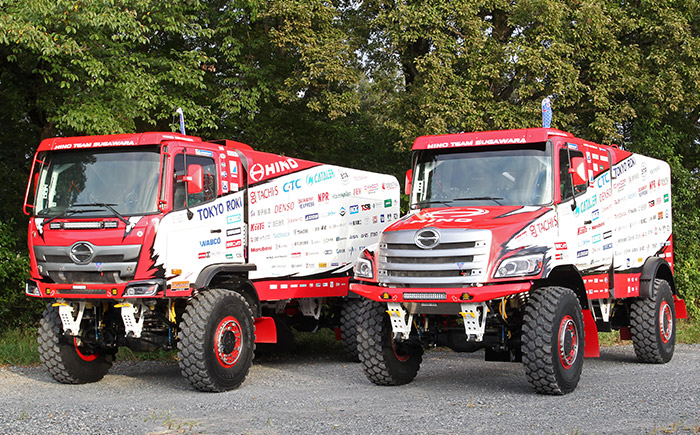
385, 361
653, 325
349, 319
65, 361
553, 340
217, 340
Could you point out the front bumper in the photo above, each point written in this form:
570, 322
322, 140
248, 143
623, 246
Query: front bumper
38, 289
439, 295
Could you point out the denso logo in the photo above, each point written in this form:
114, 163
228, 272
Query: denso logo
279, 208
258, 171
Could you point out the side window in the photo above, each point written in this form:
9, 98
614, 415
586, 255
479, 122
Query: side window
209, 181
567, 189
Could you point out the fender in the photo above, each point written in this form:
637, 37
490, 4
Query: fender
209, 272
654, 268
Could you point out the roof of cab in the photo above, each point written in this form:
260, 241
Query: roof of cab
485, 138
113, 140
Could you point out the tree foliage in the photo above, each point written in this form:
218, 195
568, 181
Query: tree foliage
325, 80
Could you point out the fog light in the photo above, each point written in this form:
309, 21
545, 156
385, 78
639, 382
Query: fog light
386, 295
467, 297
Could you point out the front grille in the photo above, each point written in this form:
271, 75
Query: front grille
82, 291
108, 265
459, 259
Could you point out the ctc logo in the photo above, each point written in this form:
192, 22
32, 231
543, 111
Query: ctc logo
291, 185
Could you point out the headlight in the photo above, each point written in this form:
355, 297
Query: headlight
363, 268
524, 265
142, 289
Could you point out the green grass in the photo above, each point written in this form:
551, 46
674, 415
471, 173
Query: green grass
687, 331
18, 347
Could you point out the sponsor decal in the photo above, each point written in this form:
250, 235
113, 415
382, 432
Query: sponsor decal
292, 185
283, 208
607, 246
623, 166
387, 203
582, 253
258, 195
560, 246
180, 285
261, 249
323, 197
233, 244
366, 207
258, 171
342, 211
257, 226
371, 188
210, 211
210, 242
319, 177
311, 217
476, 142
233, 232
354, 209
390, 185
204, 153
543, 226
235, 218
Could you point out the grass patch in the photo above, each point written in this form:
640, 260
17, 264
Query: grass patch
687, 331
18, 347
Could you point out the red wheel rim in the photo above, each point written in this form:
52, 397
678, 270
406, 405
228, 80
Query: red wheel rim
399, 356
227, 342
665, 322
567, 342
84, 357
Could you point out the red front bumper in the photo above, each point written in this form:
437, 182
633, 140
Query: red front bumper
451, 295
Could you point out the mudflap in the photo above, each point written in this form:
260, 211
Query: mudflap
592, 346
265, 330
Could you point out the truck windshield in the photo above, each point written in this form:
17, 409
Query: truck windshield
510, 175
95, 183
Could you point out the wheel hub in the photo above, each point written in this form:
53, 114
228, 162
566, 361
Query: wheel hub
568, 342
665, 322
227, 342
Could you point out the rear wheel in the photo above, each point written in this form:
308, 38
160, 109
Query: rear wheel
653, 325
385, 361
553, 340
66, 359
217, 337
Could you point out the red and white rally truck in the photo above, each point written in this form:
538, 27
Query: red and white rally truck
524, 243
161, 240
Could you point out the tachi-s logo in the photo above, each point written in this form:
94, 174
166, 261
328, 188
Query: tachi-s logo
427, 238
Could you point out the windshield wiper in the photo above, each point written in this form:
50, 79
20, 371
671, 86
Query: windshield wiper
435, 202
65, 213
480, 198
108, 207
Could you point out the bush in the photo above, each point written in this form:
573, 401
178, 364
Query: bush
16, 310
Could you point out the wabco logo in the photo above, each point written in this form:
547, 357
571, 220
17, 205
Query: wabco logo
258, 171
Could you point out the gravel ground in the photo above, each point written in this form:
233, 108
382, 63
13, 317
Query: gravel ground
320, 394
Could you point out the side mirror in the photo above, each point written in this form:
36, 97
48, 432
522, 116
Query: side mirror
578, 170
409, 178
194, 179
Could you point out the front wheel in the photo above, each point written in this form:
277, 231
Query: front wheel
553, 340
349, 318
384, 360
217, 340
66, 359
653, 325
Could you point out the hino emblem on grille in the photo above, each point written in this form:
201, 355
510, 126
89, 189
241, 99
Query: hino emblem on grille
427, 238
81, 253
